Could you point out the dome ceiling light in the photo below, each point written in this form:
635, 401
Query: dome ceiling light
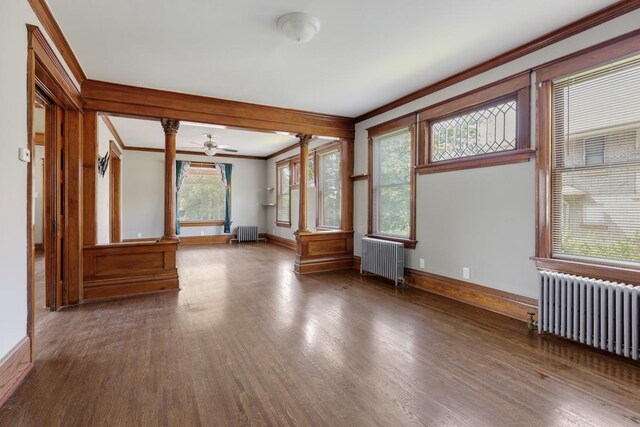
299, 27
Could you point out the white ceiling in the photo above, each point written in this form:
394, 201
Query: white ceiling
149, 134
367, 53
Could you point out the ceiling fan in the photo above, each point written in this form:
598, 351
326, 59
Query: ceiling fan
211, 147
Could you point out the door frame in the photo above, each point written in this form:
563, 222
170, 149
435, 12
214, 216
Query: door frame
47, 75
115, 168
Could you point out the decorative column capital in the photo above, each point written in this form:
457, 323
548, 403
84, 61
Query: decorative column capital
170, 126
304, 139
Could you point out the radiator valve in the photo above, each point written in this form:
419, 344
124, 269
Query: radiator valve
532, 324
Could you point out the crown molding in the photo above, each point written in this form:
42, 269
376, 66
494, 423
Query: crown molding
48, 21
599, 17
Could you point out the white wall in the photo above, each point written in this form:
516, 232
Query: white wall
483, 218
14, 14
104, 185
143, 194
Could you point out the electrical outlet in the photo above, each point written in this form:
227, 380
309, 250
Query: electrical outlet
421, 262
465, 272
139, 235
202, 233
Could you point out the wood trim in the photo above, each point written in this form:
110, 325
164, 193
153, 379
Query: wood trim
543, 169
126, 269
123, 99
55, 80
409, 242
107, 121
628, 276
194, 153
392, 125
115, 196
607, 51
39, 138
281, 241
201, 223
284, 150
14, 368
468, 101
29, 214
501, 302
280, 165
90, 178
346, 186
485, 160
44, 15
599, 17
360, 177
323, 251
205, 240
39, 247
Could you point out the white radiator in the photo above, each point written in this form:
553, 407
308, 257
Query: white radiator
247, 234
598, 313
383, 258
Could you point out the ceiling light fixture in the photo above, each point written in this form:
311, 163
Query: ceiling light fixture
299, 27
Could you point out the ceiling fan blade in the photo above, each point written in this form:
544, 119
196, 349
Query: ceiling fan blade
231, 150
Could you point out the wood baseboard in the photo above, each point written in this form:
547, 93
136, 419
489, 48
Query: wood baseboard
211, 239
14, 368
281, 241
324, 264
501, 302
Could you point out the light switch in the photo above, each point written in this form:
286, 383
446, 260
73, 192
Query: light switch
24, 154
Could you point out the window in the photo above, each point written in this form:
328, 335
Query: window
392, 183
595, 164
201, 198
392, 180
283, 195
329, 189
311, 175
486, 127
486, 130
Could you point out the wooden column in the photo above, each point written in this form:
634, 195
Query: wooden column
304, 159
170, 127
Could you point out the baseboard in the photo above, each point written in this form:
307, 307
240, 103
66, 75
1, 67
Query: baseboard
501, 302
205, 240
323, 264
281, 241
141, 239
134, 287
14, 368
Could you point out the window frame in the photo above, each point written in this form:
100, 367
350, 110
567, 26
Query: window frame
213, 223
407, 121
295, 170
517, 88
318, 153
600, 54
282, 165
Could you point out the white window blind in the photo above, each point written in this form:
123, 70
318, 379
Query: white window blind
596, 162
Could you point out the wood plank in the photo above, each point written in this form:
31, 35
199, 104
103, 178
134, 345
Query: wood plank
14, 367
251, 343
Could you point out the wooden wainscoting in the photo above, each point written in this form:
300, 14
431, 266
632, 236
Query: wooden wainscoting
14, 367
281, 241
125, 269
501, 302
324, 251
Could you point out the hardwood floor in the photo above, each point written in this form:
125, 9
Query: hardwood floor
247, 342
41, 311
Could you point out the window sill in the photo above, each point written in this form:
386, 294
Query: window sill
484, 160
201, 223
597, 271
283, 224
408, 243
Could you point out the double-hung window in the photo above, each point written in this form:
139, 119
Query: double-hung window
392, 181
202, 197
283, 194
595, 164
329, 188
